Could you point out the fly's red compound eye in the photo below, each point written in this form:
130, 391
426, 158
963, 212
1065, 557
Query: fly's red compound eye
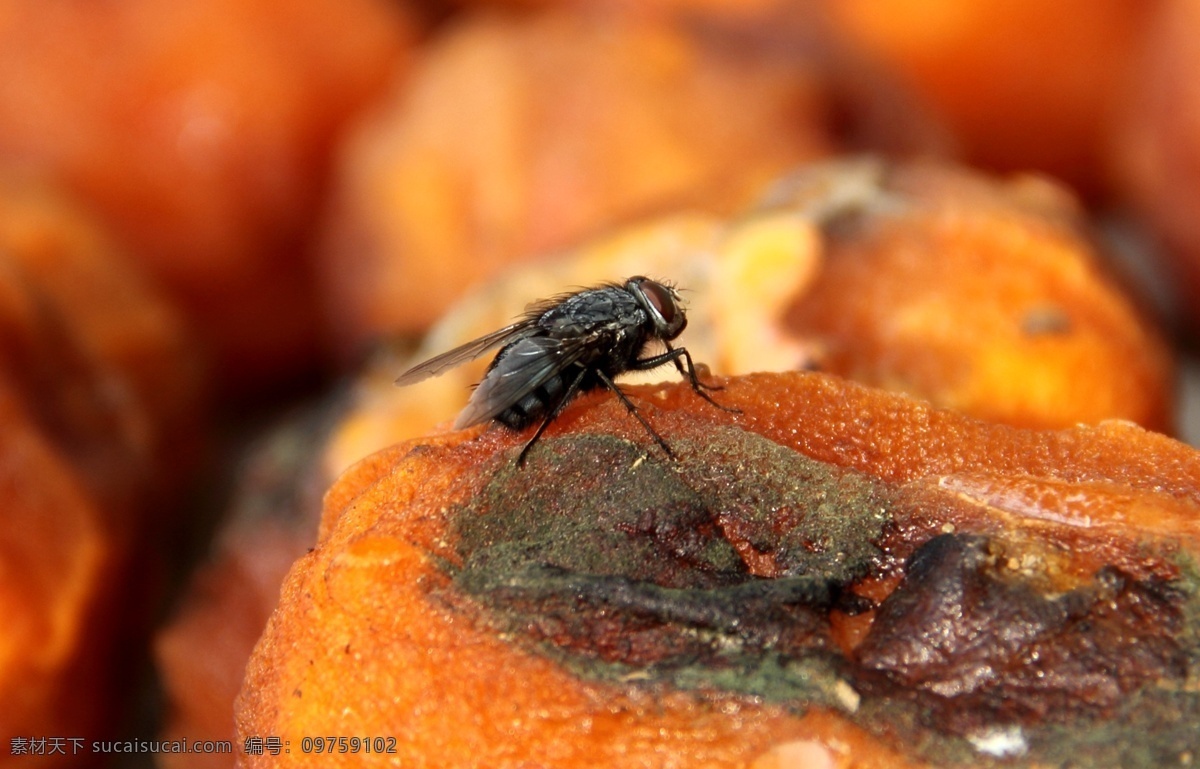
661, 299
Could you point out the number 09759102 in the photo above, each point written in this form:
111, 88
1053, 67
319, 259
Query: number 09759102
348, 745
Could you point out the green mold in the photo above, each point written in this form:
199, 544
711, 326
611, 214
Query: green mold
622, 565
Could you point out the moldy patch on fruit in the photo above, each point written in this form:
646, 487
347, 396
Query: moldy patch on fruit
621, 558
720, 571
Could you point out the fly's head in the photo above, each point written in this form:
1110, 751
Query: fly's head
662, 303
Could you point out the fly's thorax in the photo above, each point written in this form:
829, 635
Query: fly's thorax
595, 312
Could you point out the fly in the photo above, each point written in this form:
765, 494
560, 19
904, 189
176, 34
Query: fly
573, 343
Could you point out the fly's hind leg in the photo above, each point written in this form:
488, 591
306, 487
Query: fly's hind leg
567, 395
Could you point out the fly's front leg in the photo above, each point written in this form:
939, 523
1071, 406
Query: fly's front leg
673, 354
690, 373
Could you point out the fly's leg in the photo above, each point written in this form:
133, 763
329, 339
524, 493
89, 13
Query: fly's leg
690, 372
551, 416
673, 354
610, 384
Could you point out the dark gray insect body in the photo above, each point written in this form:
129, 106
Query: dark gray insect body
568, 345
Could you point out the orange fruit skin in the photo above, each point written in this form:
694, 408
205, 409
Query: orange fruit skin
368, 641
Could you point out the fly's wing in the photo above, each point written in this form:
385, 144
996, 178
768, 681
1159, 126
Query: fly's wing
521, 368
460, 355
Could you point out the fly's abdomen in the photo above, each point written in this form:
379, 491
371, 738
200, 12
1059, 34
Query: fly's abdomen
534, 405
